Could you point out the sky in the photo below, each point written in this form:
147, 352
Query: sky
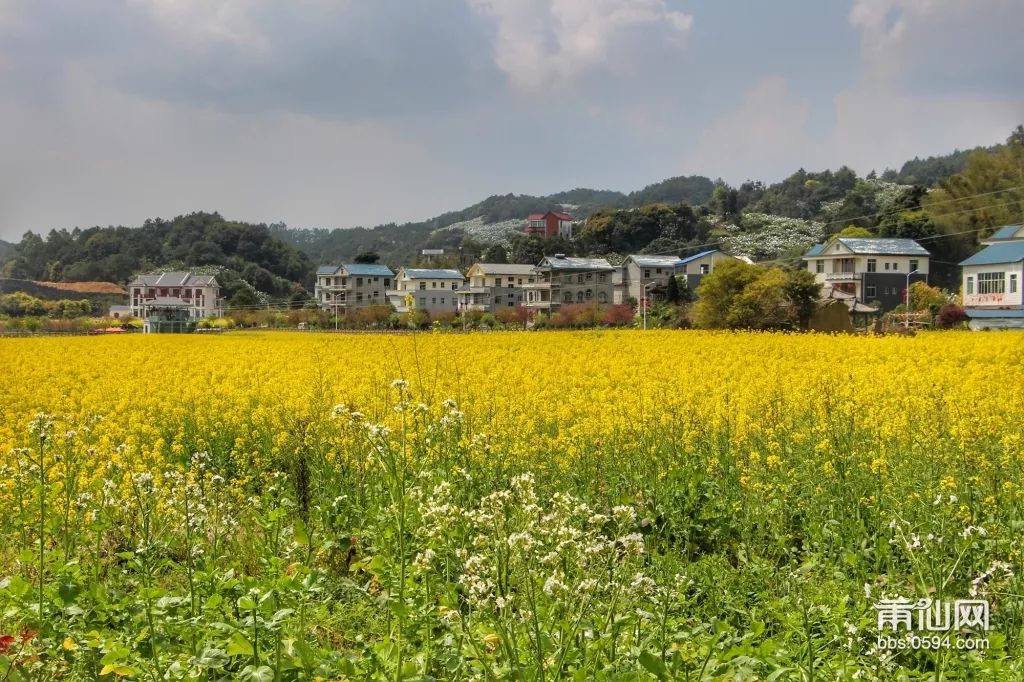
338, 113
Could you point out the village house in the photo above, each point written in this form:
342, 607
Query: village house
699, 264
492, 286
641, 275
992, 280
427, 289
173, 301
564, 280
875, 270
549, 224
352, 285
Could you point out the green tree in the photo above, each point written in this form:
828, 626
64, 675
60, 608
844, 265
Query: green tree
802, 292
718, 291
672, 293
855, 231
367, 257
495, 253
244, 298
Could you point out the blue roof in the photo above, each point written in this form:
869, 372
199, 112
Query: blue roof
368, 270
815, 250
1005, 232
327, 269
989, 313
695, 256
433, 273
1001, 252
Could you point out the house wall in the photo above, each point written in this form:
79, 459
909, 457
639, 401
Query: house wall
355, 291
1007, 298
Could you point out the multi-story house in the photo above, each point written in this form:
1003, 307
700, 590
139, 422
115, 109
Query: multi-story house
641, 276
699, 264
563, 280
992, 281
492, 286
549, 224
352, 285
427, 289
875, 270
190, 297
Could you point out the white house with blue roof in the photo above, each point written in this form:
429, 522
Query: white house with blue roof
699, 264
340, 288
992, 280
430, 289
873, 269
640, 273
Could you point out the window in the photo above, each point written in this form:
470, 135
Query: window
579, 278
433, 285
869, 292
886, 265
1013, 283
590, 294
579, 297
423, 301
510, 304
567, 297
819, 266
376, 279
872, 265
603, 277
497, 300
359, 298
647, 274
705, 269
454, 286
497, 281
387, 282
177, 292
913, 265
423, 286
433, 301
590, 276
896, 267
657, 271
991, 283
602, 297
970, 285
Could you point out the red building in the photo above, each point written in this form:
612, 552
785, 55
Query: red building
549, 224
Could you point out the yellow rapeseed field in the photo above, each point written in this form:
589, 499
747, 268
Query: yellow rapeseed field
757, 473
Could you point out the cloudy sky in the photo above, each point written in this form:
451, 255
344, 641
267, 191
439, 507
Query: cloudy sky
335, 113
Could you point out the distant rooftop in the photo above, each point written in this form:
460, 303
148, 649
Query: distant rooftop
695, 256
645, 261
560, 262
505, 269
873, 246
432, 273
1000, 252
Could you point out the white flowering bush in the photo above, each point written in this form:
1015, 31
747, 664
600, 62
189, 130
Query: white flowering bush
765, 236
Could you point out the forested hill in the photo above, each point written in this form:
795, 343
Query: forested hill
235, 251
402, 243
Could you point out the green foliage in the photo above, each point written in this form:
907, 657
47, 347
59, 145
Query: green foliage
855, 231
234, 250
737, 295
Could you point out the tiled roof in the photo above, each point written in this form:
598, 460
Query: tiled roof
566, 263
367, 270
1007, 232
173, 279
327, 269
1000, 252
883, 246
505, 269
655, 261
690, 259
432, 273
815, 250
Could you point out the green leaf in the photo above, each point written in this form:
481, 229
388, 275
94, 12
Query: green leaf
301, 533
68, 592
212, 658
654, 665
253, 674
238, 645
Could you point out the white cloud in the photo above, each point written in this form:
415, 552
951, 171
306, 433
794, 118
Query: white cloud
764, 137
104, 156
541, 43
933, 77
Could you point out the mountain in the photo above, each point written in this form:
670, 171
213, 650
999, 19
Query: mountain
235, 251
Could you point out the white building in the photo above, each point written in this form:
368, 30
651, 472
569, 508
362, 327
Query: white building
427, 289
194, 296
352, 285
875, 270
492, 286
992, 280
639, 275
563, 280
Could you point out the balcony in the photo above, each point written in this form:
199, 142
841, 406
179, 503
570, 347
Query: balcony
845, 276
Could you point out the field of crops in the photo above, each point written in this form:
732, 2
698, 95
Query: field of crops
536, 506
